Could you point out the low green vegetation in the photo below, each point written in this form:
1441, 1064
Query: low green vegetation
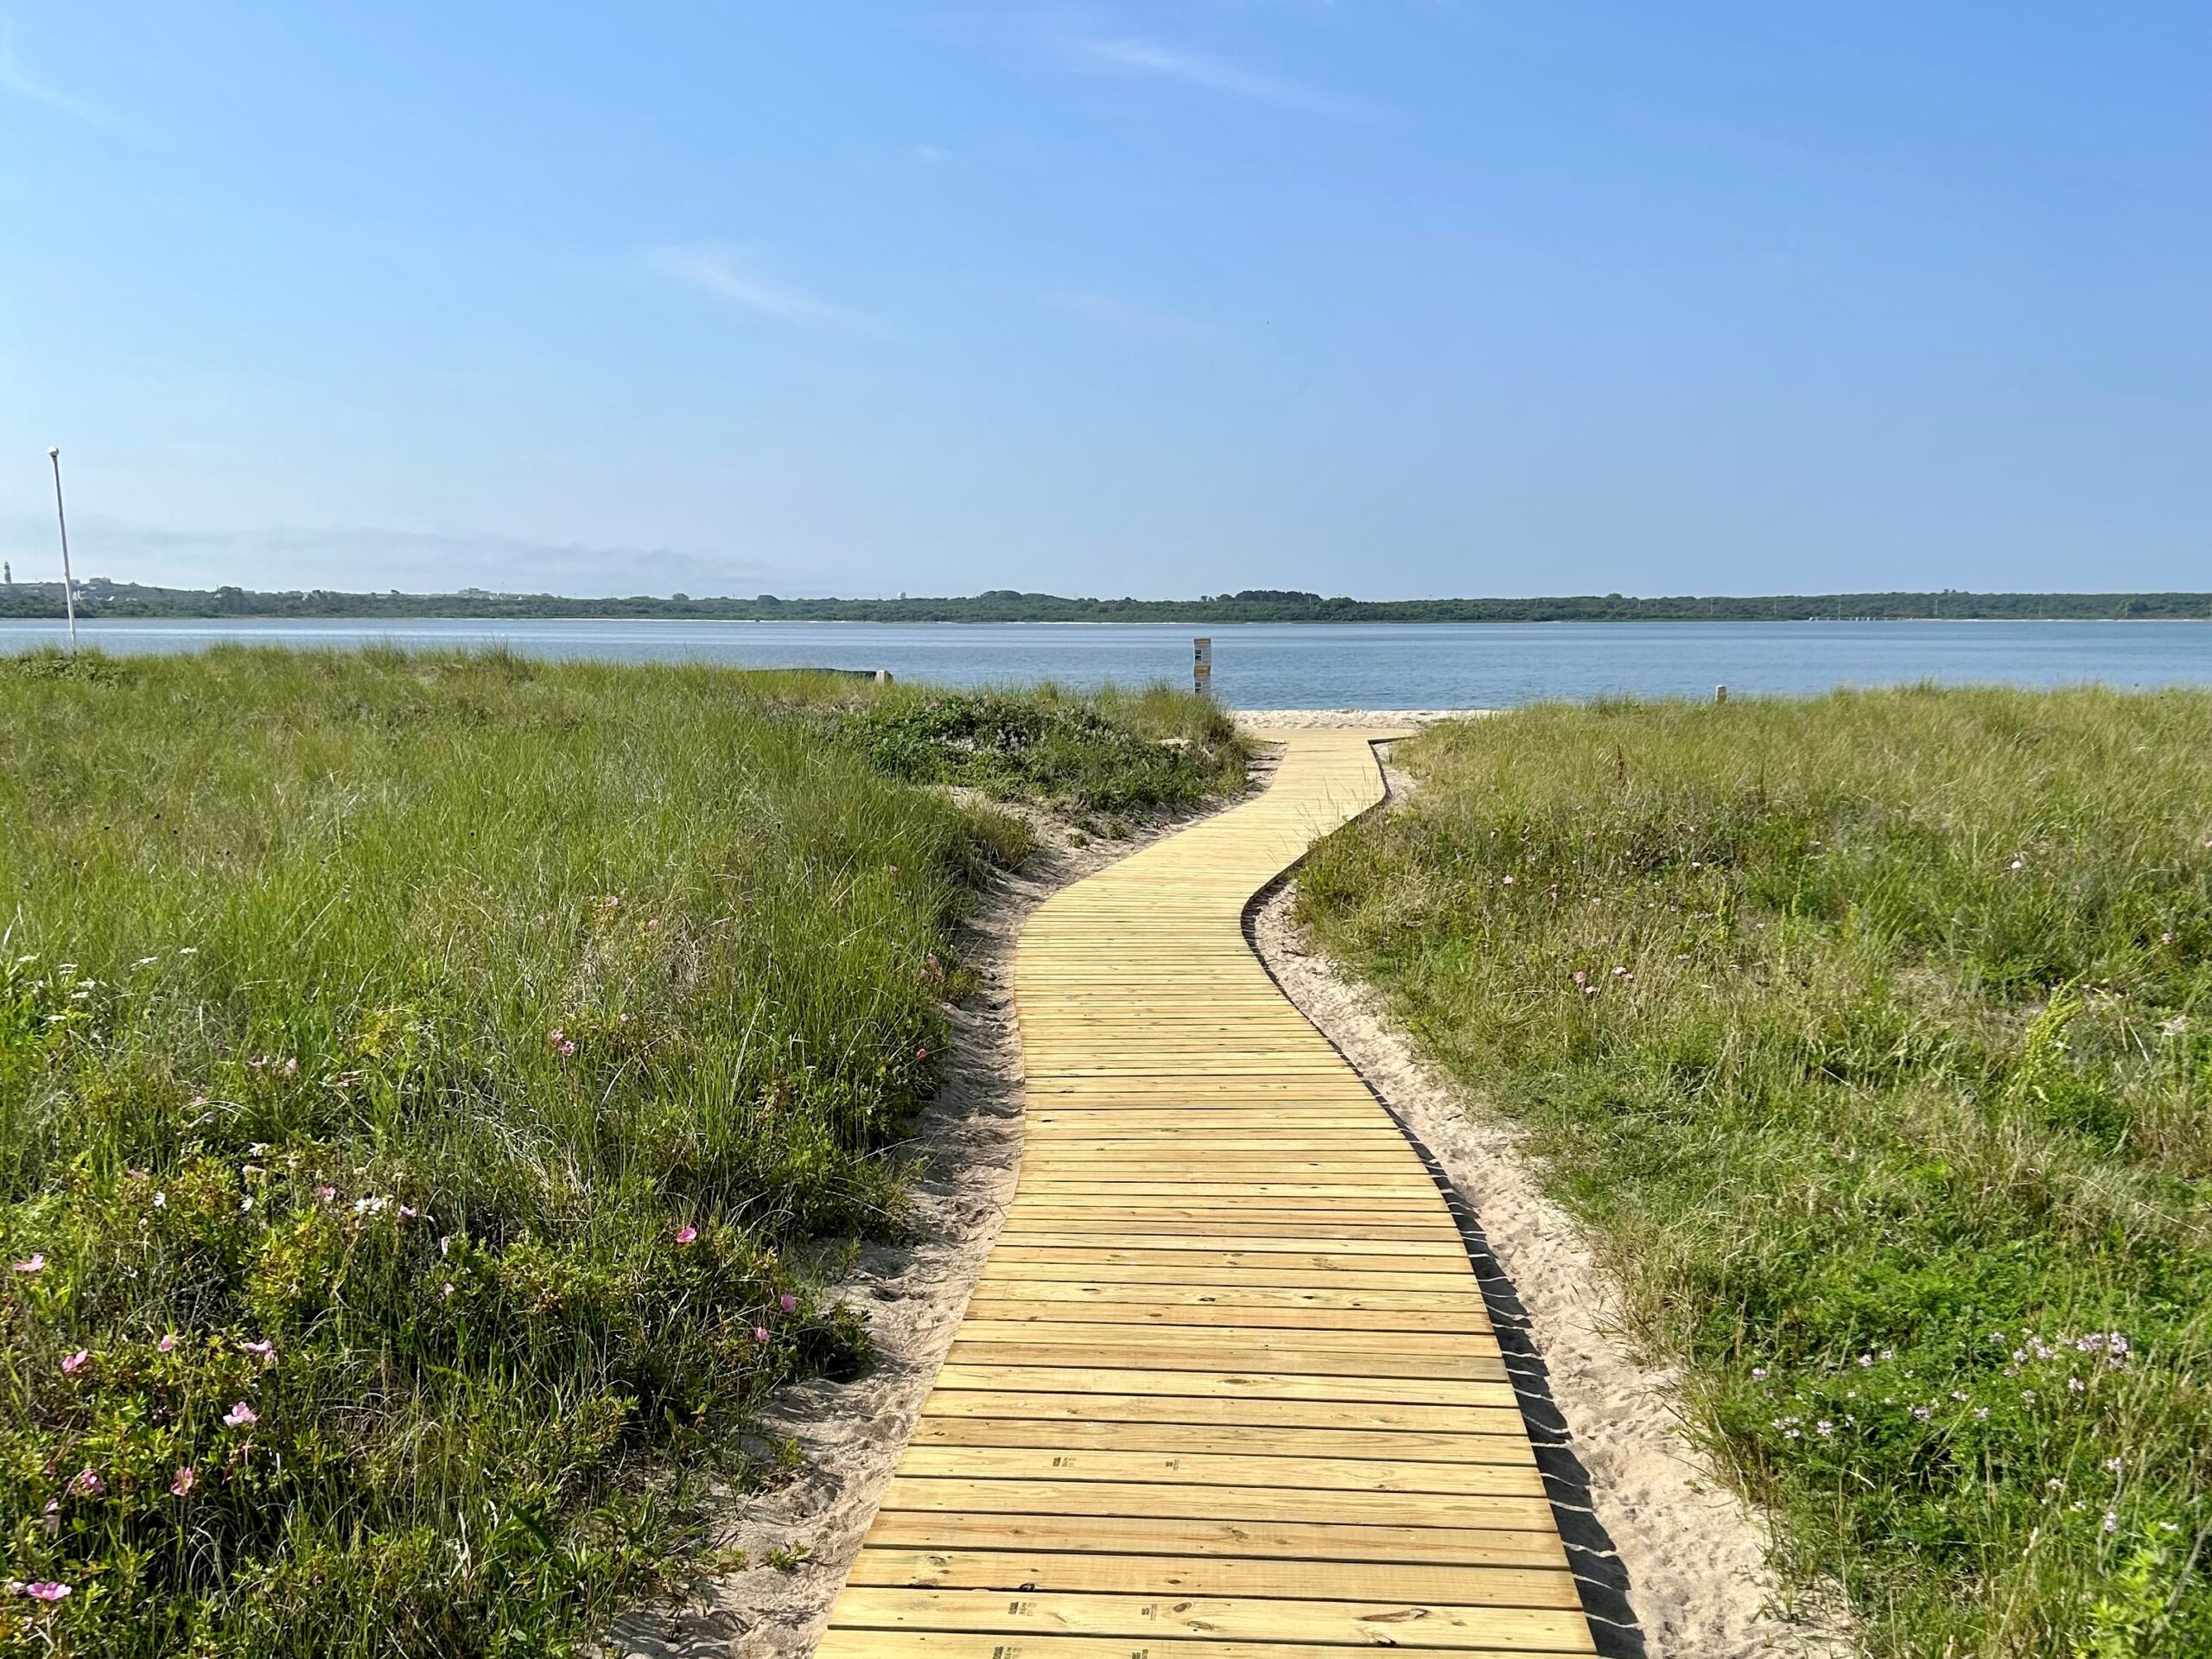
1872, 1035
423, 1081
1111, 756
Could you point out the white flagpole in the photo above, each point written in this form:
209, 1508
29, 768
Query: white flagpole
68, 582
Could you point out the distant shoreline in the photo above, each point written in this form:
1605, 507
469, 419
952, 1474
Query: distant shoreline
102, 599
85, 618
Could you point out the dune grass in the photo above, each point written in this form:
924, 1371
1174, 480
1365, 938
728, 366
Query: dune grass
1870, 1036
1110, 757
418, 1075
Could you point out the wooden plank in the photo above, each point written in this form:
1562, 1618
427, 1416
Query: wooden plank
1086, 1334
1096, 1311
1239, 1153
1027, 1220
1041, 1235
1236, 1618
1403, 1262
1227, 1412
1302, 1541
1215, 1576
1107, 1200
1315, 1213
1502, 1439
982, 1644
1382, 1368
1302, 1471
1321, 1302
1199, 1187
1252, 1143
1036, 1273
1171, 1500
1228, 1385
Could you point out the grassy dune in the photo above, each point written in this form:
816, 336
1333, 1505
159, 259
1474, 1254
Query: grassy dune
416, 1075
1873, 1037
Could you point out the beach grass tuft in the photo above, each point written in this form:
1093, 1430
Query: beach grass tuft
1872, 1036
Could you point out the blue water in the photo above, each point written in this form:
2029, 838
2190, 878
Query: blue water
1309, 666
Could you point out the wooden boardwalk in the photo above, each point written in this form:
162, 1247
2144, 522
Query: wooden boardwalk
1226, 1389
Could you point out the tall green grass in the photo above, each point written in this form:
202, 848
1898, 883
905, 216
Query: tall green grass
417, 1075
1871, 1034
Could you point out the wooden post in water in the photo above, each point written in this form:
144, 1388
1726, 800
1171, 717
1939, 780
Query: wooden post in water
1202, 667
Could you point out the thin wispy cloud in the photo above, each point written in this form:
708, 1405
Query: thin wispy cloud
19, 82
1132, 58
721, 274
1116, 315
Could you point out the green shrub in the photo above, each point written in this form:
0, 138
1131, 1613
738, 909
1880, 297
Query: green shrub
1115, 756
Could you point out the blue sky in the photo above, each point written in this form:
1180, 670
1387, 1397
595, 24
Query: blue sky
1388, 297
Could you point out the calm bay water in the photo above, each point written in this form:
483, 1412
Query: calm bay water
1307, 666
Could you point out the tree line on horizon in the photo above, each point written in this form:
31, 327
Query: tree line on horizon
102, 599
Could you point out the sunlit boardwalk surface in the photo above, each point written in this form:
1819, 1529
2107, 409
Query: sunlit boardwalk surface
1226, 1389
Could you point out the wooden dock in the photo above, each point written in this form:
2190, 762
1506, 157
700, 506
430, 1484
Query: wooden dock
1226, 1389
